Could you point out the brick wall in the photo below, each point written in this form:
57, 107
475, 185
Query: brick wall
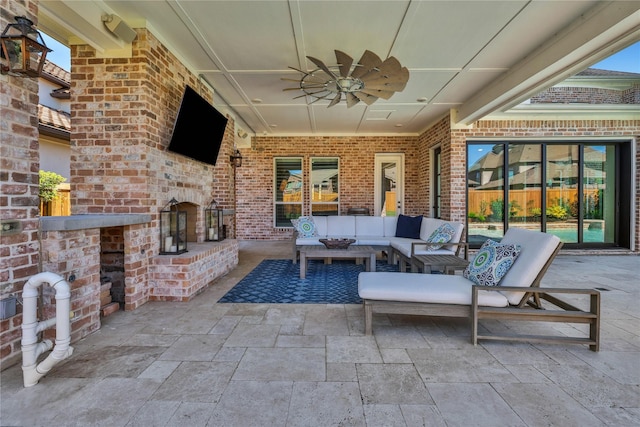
581, 95
123, 111
19, 165
254, 203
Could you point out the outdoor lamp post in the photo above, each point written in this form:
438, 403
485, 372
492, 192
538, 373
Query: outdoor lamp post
173, 229
23, 49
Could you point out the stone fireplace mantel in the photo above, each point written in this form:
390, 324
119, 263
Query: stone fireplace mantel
86, 221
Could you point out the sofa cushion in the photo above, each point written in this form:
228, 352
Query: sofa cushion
390, 225
321, 225
369, 226
429, 225
305, 226
491, 263
440, 235
409, 226
427, 288
341, 226
372, 240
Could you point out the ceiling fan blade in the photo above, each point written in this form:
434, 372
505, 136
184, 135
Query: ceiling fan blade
367, 99
368, 62
385, 94
344, 61
351, 100
335, 100
402, 76
321, 65
383, 85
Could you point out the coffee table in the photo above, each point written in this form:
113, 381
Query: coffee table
368, 253
449, 263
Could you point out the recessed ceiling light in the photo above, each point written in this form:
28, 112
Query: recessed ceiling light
423, 99
273, 126
257, 100
399, 125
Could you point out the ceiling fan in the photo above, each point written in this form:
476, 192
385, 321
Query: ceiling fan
367, 81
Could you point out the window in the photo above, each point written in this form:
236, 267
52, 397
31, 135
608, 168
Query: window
569, 189
325, 191
288, 190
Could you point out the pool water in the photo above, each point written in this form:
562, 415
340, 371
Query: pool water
566, 235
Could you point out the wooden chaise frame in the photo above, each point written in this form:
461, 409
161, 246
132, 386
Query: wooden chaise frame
529, 309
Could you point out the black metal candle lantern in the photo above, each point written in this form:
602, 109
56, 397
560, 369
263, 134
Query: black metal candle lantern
214, 223
173, 229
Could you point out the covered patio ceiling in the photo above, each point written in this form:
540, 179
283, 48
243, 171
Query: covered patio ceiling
470, 58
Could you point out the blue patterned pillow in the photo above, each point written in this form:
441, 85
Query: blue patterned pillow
305, 226
442, 234
491, 263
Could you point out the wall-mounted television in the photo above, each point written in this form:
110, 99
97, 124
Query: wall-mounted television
198, 130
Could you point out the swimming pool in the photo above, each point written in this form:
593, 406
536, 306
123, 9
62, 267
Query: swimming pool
566, 235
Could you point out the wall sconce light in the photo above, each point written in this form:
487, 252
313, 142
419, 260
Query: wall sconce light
236, 158
23, 49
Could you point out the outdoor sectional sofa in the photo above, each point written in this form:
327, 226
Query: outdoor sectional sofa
516, 296
378, 232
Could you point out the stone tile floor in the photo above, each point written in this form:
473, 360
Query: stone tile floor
206, 364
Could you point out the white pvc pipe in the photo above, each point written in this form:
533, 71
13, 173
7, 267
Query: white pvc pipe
31, 348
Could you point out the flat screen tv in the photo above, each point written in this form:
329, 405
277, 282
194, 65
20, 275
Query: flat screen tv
198, 130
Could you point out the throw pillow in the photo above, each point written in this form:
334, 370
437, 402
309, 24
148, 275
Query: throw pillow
442, 234
409, 226
491, 263
305, 226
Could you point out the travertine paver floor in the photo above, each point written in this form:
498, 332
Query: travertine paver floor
206, 364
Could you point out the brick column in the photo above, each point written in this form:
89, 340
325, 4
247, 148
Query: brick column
19, 202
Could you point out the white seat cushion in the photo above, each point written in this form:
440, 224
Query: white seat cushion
372, 240
369, 226
427, 288
390, 225
341, 226
321, 225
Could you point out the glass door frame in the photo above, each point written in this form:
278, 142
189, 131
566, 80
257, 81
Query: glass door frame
381, 158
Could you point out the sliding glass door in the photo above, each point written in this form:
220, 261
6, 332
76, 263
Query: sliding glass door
567, 189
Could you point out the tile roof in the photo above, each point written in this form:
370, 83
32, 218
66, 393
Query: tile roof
595, 72
56, 74
54, 118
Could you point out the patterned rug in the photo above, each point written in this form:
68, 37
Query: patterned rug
278, 281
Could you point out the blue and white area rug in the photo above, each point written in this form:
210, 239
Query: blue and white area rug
278, 281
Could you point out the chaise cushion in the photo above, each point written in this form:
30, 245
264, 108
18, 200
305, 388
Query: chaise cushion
442, 234
535, 250
305, 226
491, 263
426, 288
409, 226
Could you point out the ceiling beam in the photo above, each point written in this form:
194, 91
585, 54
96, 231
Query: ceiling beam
606, 28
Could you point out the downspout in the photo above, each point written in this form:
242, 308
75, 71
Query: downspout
31, 348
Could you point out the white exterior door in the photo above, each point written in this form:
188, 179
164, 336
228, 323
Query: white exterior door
389, 184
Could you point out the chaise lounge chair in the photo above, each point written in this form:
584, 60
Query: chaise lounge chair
518, 295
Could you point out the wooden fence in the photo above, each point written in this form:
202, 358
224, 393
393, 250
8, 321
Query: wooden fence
60, 206
523, 200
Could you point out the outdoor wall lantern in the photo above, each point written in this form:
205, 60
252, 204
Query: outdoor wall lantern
236, 158
173, 229
214, 222
23, 49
